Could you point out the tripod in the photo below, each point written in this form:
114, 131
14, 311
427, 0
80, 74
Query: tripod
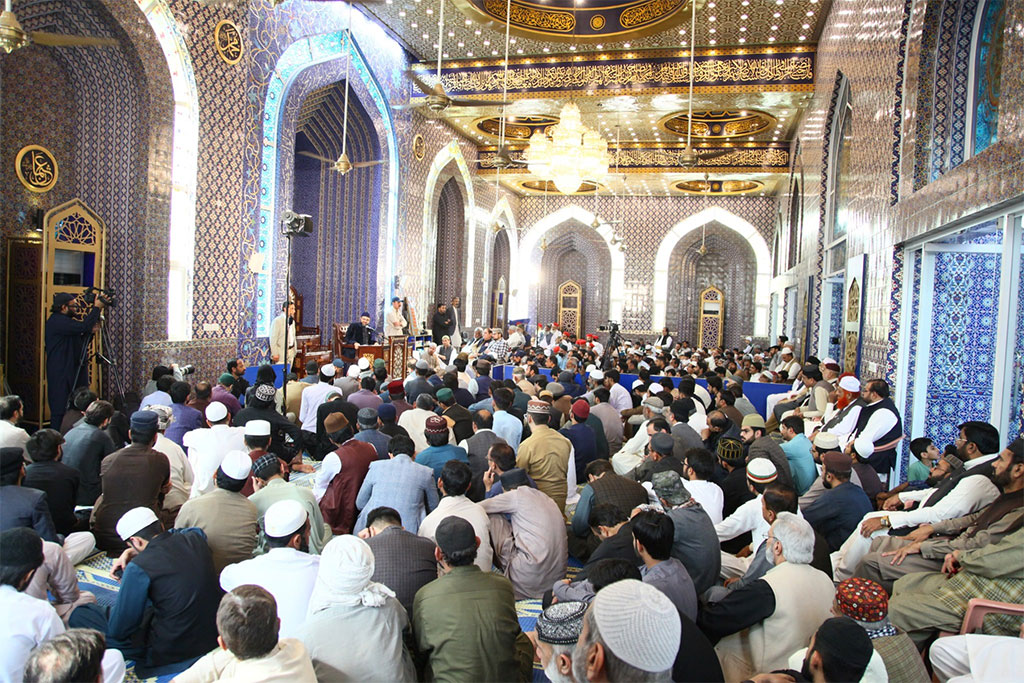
105, 357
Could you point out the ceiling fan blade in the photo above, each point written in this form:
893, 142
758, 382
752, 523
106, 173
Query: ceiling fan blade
364, 164
418, 82
60, 40
478, 103
405, 106
317, 156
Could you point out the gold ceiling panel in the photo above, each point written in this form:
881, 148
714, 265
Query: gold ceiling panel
719, 187
516, 127
718, 125
548, 187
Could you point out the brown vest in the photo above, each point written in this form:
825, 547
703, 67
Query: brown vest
616, 490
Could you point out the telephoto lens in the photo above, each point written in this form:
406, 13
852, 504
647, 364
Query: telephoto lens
187, 369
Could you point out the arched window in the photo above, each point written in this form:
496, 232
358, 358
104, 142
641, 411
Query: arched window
988, 68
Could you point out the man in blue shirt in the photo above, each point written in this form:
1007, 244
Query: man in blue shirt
841, 507
506, 425
185, 418
797, 448
439, 451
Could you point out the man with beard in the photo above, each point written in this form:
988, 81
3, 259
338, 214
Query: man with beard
963, 493
840, 650
837, 512
718, 427
924, 549
558, 631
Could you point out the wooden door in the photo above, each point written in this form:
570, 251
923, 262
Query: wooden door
570, 307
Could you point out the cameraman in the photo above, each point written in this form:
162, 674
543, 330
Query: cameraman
64, 339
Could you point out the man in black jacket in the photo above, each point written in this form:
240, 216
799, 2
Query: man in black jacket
64, 338
58, 481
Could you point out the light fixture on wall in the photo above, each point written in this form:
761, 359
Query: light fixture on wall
703, 249
543, 243
573, 153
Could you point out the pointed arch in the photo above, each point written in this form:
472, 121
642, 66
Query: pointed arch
524, 274
450, 153
502, 213
762, 255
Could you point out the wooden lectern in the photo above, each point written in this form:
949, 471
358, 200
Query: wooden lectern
350, 354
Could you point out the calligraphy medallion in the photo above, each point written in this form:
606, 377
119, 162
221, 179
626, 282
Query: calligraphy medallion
228, 40
36, 168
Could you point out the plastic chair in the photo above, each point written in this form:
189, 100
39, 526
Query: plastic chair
979, 608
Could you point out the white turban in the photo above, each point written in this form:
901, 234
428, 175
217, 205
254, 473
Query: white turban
346, 566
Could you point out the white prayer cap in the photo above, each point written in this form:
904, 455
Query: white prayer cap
284, 518
761, 471
364, 363
786, 351
547, 352
257, 428
164, 415
134, 521
639, 624
826, 441
597, 374
353, 371
850, 383
749, 338
829, 361
644, 364
216, 411
236, 464
655, 388
591, 368
637, 383
328, 370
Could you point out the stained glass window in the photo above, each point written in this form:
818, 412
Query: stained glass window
987, 73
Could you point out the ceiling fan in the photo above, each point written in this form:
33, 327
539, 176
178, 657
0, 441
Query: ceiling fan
343, 165
437, 100
14, 37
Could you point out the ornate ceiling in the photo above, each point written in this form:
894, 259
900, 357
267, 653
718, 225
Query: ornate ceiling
626, 65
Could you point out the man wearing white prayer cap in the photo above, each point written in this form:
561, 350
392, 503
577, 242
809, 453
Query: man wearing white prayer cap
163, 571
630, 632
347, 607
227, 517
206, 447
317, 394
287, 570
841, 415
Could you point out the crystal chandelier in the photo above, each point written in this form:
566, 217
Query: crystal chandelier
572, 154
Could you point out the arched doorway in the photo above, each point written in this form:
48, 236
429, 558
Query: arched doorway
335, 270
450, 258
500, 276
578, 253
729, 265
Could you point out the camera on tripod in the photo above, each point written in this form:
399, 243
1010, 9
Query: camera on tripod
610, 326
107, 296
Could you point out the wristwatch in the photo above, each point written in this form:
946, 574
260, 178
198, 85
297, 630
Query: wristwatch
884, 521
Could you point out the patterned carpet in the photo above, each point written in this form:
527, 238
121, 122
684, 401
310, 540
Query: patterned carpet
94, 576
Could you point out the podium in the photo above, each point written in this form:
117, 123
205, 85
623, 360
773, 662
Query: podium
350, 354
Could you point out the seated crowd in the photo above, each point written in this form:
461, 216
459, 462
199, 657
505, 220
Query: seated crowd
265, 533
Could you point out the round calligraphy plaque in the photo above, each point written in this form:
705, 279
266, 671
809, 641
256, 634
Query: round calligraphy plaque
36, 168
228, 40
419, 147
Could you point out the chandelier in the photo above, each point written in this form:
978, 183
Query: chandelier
572, 154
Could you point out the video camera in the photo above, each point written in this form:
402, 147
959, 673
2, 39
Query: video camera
107, 296
610, 326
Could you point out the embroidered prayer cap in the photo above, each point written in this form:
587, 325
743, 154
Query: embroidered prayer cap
284, 518
754, 421
850, 383
561, 623
328, 370
730, 450
669, 487
216, 411
134, 521
538, 407
144, 421
836, 462
367, 417
265, 392
386, 412
639, 624
862, 599
436, 425
580, 409
236, 464
257, 428
761, 471
164, 416
826, 441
